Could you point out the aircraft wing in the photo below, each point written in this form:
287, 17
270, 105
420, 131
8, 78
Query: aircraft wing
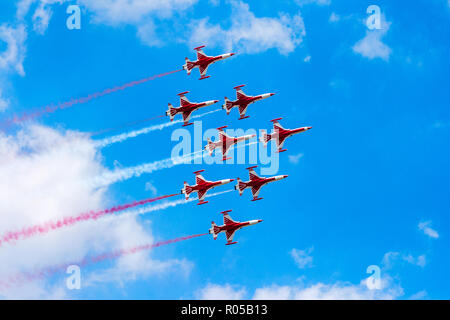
227, 219
277, 126
255, 191
223, 139
225, 148
203, 70
280, 142
199, 179
183, 100
240, 94
200, 54
242, 110
201, 194
187, 115
252, 174
230, 235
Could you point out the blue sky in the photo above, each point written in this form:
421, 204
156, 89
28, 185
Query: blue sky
369, 187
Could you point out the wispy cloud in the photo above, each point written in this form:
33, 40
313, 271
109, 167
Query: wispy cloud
4, 102
302, 258
13, 56
295, 158
317, 2
334, 17
250, 34
44, 173
317, 291
392, 257
426, 228
372, 46
221, 292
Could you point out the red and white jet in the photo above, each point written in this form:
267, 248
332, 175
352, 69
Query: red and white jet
202, 186
229, 227
279, 134
243, 101
203, 62
225, 142
186, 108
255, 183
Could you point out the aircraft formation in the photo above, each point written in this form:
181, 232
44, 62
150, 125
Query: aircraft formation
224, 142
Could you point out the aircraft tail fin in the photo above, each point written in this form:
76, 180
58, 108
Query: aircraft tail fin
210, 147
171, 112
188, 66
187, 190
265, 138
214, 230
240, 186
228, 105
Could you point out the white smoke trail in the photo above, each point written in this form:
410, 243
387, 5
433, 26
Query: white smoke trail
136, 171
119, 175
127, 135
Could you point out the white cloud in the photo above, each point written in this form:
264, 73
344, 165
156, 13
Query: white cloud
307, 59
335, 291
425, 227
295, 158
317, 2
218, 292
419, 295
41, 15
389, 288
14, 54
319, 291
372, 46
139, 13
420, 261
4, 103
392, 257
334, 17
150, 187
302, 258
113, 12
273, 292
250, 34
44, 174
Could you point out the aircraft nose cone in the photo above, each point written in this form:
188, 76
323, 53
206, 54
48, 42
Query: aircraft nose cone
285, 176
259, 220
308, 128
272, 94
232, 54
215, 101
231, 180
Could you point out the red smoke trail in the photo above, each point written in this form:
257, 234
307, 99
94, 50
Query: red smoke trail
63, 105
69, 221
49, 271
